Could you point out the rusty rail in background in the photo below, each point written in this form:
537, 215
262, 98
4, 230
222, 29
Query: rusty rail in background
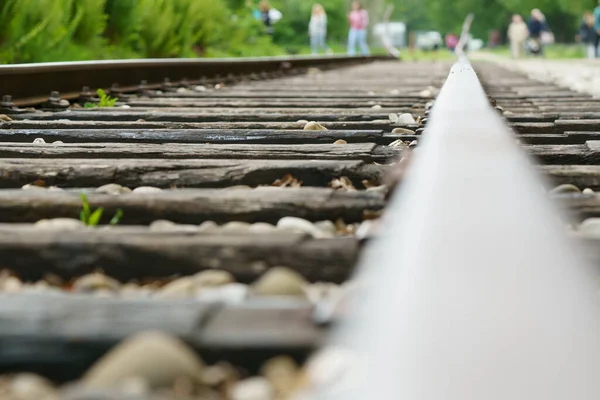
30, 84
473, 289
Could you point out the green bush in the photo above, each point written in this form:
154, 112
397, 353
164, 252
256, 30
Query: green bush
56, 30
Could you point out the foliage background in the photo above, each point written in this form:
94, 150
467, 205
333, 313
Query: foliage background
56, 30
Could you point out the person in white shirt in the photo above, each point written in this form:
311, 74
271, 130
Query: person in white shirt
317, 29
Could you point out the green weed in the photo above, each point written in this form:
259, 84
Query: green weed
105, 100
92, 218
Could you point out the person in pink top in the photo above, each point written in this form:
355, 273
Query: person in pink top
359, 20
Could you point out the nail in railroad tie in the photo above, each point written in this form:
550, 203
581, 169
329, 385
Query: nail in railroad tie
55, 103
6, 105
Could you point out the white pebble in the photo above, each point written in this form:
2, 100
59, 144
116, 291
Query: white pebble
207, 226
200, 88
302, 226
146, 189
125, 106
590, 226
314, 126
57, 142
29, 186
256, 388
406, 119
262, 227
231, 293
393, 117
60, 224
588, 191
39, 141
113, 188
376, 107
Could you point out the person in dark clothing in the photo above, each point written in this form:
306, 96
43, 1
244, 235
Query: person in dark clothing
536, 26
265, 9
588, 35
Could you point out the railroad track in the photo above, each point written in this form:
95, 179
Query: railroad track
247, 196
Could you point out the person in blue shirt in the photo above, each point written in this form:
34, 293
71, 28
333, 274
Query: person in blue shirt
536, 25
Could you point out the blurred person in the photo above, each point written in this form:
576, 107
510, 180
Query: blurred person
536, 26
359, 20
451, 42
317, 29
269, 15
517, 35
597, 26
588, 35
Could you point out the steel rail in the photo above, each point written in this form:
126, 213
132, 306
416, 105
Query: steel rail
32, 83
473, 290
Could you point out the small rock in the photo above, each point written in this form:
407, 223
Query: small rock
155, 357
231, 293
95, 282
10, 284
394, 92
162, 225
125, 106
39, 141
406, 119
256, 388
146, 189
321, 291
113, 188
55, 189
398, 143
340, 141
425, 93
5, 118
182, 90
262, 227
367, 229
379, 189
283, 373
590, 226
565, 188
200, 88
300, 225
33, 387
393, 117
402, 131
314, 126
326, 226
376, 107
236, 227
58, 142
30, 186
302, 122
280, 281
213, 278
178, 289
508, 112
207, 226
64, 224
588, 191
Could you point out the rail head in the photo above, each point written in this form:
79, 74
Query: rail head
473, 289
30, 84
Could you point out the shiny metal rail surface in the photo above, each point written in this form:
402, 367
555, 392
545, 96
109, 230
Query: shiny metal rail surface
473, 290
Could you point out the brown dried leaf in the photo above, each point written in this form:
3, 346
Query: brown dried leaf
342, 183
372, 214
287, 181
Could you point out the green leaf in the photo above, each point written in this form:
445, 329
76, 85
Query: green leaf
95, 217
86, 206
82, 217
90, 105
101, 93
117, 217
